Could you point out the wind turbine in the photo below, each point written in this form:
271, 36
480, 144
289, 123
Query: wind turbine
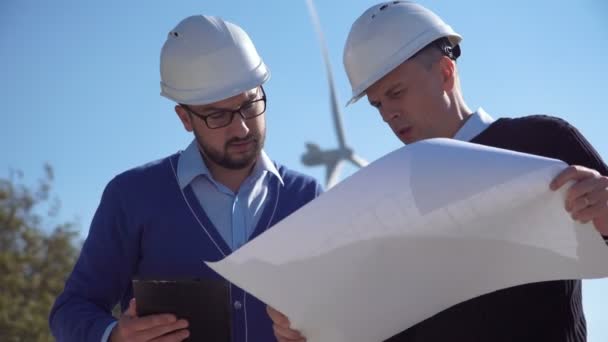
331, 158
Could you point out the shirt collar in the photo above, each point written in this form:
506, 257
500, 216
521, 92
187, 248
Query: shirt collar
191, 165
474, 125
265, 164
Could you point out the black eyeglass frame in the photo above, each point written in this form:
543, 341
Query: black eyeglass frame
230, 112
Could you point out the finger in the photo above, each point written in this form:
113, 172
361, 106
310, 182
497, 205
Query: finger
593, 211
277, 317
281, 339
290, 340
596, 196
575, 206
584, 188
573, 172
286, 333
579, 199
149, 322
586, 215
175, 331
131, 310
177, 336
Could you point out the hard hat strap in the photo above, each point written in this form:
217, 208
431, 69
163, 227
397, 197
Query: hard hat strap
445, 46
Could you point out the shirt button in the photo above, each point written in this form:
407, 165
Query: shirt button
237, 305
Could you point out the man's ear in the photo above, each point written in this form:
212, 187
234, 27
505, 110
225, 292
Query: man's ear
447, 68
184, 117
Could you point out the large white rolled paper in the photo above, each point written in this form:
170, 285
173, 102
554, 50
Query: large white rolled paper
425, 227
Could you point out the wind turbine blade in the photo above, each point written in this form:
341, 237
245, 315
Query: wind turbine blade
360, 162
333, 174
335, 108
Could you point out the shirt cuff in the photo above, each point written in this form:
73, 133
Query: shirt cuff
108, 331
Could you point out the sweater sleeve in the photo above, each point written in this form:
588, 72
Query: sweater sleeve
577, 150
101, 276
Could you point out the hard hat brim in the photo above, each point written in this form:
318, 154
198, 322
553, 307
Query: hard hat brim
258, 77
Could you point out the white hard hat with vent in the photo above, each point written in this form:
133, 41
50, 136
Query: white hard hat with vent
387, 35
206, 59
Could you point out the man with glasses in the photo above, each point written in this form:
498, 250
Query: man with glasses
163, 219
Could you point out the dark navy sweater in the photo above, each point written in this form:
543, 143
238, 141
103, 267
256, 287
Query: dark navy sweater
146, 227
545, 311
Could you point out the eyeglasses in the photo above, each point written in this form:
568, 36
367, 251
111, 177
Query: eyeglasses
223, 118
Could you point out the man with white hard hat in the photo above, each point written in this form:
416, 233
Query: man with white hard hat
163, 219
403, 57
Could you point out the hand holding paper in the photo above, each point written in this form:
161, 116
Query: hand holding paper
587, 199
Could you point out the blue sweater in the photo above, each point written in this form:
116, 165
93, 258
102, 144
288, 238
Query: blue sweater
146, 227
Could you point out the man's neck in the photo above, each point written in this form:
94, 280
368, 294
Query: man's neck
460, 111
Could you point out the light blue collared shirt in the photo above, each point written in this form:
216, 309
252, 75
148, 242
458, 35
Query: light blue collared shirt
235, 215
475, 124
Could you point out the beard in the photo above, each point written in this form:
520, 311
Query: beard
226, 160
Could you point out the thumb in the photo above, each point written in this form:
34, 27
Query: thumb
132, 309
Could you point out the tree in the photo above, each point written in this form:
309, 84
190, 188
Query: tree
36, 255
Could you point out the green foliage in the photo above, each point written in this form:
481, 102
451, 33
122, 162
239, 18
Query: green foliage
36, 255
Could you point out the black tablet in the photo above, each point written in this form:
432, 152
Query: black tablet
205, 304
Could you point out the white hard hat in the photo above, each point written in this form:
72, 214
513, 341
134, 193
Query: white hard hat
206, 59
385, 36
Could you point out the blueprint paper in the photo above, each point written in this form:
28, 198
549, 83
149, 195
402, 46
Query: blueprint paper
425, 227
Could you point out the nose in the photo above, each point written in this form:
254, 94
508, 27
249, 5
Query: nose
389, 114
238, 127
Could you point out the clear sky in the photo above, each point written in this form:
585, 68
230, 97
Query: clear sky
81, 84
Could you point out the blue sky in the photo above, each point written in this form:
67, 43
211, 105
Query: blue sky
81, 84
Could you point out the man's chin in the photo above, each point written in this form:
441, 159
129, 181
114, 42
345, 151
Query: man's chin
237, 160
239, 163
